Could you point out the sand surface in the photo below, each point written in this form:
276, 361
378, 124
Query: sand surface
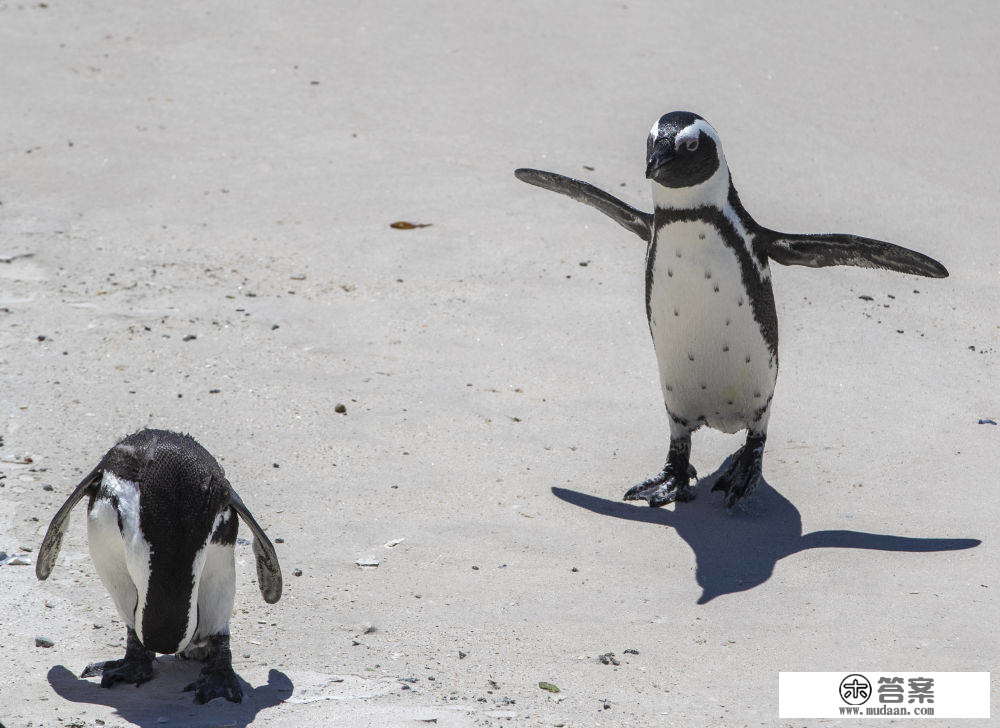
196, 200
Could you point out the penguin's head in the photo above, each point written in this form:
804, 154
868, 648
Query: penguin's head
683, 150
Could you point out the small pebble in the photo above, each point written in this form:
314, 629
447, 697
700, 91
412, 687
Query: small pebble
462, 655
47, 487
190, 337
475, 568
340, 409
297, 572
43, 642
631, 652
279, 540
574, 569
275, 465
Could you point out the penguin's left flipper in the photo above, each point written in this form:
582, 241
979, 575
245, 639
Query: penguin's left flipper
268, 569
819, 251
636, 221
52, 542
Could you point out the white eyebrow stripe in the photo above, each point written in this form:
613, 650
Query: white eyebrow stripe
691, 132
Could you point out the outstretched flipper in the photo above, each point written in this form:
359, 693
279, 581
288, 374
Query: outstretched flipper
52, 542
819, 251
636, 221
268, 569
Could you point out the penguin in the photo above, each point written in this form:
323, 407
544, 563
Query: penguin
709, 300
161, 526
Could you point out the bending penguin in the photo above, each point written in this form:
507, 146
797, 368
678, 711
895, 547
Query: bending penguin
709, 301
162, 525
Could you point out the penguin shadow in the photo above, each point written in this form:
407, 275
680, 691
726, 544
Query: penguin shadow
163, 696
736, 550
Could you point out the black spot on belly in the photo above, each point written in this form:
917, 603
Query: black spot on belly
748, 358
676, 312
717, 290
690, 357
677, 253
739, 302
726, 347
704, 386
708, 274
756, 395
727, 320
729, 402
701, 236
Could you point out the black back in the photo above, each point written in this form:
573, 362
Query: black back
182, 489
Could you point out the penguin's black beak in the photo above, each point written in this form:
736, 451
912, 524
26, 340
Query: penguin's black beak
657, 160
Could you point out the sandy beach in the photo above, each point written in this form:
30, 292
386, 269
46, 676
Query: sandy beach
195, 210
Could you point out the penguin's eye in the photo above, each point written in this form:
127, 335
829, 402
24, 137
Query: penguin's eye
692, 144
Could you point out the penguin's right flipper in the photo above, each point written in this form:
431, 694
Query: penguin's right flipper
819, 251
637, 221
268, 569
52, 542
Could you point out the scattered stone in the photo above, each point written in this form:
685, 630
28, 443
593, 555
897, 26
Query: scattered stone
549, 687
98, 626
608, 658
866, 298
44, 642
279, 540
214, 391
190, 337
403, 225
340, 409
297, 572
475, 568
987, 421
368, 563
574, 569
275, 465
16, 560
631, 652
395, 542
47, 487
462, 655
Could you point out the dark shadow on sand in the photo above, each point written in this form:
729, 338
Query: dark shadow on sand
736, 551
163, 696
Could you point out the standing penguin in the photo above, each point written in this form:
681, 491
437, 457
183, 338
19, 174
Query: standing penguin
161, 525
709, 301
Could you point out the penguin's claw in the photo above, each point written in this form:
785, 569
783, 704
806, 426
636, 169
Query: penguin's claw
216, 684
665, 487
115, 671
741, 477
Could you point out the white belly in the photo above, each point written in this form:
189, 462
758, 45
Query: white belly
715, 367
121, 556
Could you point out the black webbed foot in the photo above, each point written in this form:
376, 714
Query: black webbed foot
217, 679
665, 487
743, 473
217, 684
135, 668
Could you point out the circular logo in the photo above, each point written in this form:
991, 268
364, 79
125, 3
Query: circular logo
855, 689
